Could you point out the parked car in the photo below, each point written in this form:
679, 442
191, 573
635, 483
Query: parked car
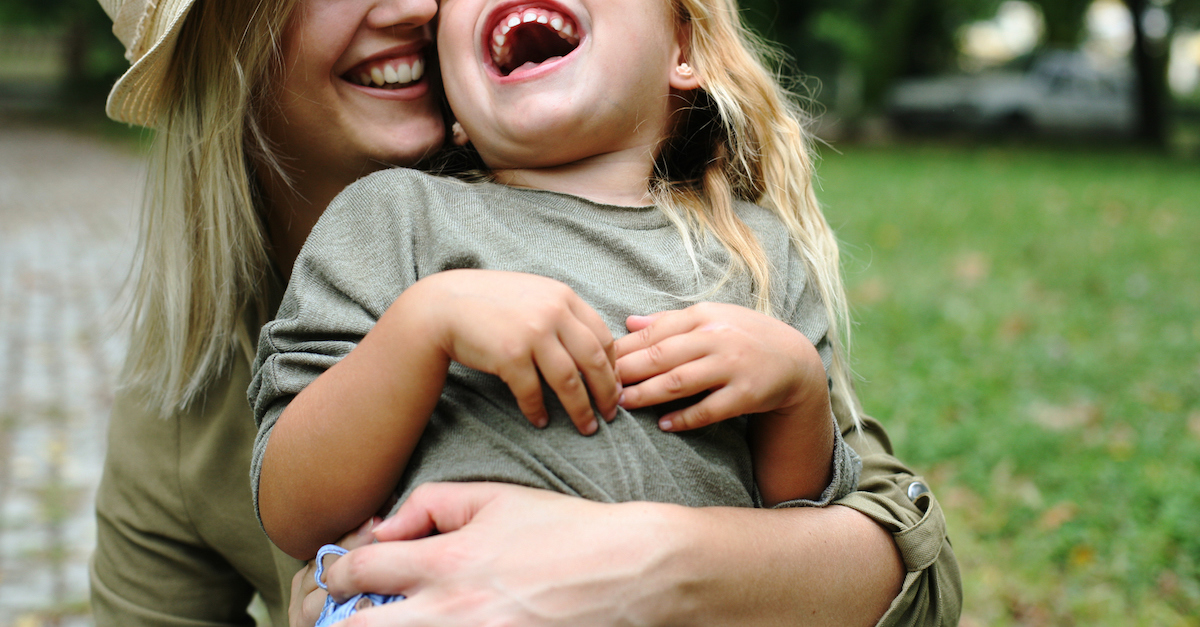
1060, 92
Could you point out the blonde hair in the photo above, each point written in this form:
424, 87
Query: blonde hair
743, 137
202, 261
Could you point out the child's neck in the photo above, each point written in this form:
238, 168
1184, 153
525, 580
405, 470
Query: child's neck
619, 178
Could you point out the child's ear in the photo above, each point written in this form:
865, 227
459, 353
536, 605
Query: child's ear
458, 135
684, 77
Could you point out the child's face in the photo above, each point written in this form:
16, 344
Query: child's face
540, 83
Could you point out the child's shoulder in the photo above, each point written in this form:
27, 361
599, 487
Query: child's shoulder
760, 219
394, 191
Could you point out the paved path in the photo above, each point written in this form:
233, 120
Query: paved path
66, 231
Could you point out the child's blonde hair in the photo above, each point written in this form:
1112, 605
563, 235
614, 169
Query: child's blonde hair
202, 262
743, 137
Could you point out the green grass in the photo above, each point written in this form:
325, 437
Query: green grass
1028, 332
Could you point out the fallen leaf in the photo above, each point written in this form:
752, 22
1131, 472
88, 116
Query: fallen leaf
1057, 516
1065, 417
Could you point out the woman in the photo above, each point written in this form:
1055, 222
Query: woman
257, 130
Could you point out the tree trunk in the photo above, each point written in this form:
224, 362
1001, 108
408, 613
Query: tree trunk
75, 47
1149, 62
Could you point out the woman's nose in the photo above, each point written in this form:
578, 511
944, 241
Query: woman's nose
389, 13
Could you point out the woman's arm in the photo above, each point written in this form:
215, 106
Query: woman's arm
574, 562
545, 559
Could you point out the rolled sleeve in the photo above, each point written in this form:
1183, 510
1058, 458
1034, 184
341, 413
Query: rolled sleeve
932, 589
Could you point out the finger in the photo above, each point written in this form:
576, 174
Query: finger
306, 600
561, 374
662, 325
721, 405
384, 568
594, 362
586, 314
661, 357
686, 380
437, 507
522, 378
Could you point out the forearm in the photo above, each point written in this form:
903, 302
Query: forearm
793, 451
341, 446
810, 566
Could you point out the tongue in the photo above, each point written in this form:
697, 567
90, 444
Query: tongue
529, 65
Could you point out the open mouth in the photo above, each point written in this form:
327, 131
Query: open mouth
526, 37
387, 73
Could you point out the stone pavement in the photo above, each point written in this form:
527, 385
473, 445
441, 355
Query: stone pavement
67, 225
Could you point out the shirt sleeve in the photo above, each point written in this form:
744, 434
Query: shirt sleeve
355, 262
904, 504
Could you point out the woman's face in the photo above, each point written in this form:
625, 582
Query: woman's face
355, 92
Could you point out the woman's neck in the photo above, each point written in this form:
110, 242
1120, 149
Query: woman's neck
292, 211
620, 178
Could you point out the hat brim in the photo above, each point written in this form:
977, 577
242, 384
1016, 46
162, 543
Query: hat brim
135, 97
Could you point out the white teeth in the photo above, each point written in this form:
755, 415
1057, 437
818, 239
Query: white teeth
568, 30
499, 39
418, 70
530, 17
377, 76
404, 74
504, 28
389, 74
514, 21
542, 19
556, 23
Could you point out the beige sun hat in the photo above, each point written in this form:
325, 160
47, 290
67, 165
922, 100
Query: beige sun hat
148, 29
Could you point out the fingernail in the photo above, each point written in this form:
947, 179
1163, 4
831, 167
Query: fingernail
590, 427
621, 399
665, 424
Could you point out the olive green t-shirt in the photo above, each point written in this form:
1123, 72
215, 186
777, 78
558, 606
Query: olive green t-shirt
393, 228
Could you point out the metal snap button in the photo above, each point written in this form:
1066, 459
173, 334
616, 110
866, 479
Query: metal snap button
916, 489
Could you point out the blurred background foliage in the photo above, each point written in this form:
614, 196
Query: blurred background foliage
855, 50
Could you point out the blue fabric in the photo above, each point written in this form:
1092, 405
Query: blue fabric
334, 612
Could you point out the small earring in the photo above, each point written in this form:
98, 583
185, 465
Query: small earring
684, 70
459, 136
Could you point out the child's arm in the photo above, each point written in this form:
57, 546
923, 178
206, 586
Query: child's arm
341, 445
751, 364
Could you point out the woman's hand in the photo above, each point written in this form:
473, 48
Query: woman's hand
751, 363
530, 558
517, 326
512, 555
307, 598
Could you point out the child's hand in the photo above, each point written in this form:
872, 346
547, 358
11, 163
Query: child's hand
751, 363
516, 326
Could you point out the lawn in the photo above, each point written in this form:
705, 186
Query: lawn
1028, 331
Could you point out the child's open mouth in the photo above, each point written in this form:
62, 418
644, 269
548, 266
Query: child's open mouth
526, 37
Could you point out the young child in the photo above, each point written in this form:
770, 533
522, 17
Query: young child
627, 140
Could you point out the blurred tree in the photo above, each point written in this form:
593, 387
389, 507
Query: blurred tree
1151, 58
1064, 20
92, 56
877, 40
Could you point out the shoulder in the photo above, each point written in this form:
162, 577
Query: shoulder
771, 231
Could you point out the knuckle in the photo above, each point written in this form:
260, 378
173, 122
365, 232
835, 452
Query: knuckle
695, 417
655, 354
568, 381
673, 383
